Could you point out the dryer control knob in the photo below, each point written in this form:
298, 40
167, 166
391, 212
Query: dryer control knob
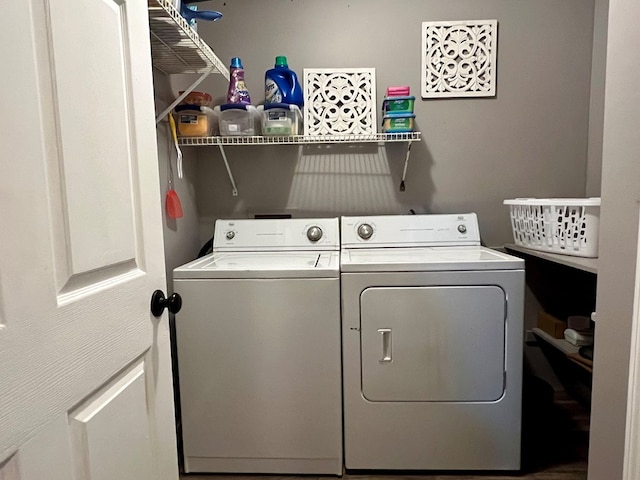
230, 234
462, 229
365, 231
314, 233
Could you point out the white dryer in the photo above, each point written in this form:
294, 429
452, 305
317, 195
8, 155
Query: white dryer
432, 345
258, 349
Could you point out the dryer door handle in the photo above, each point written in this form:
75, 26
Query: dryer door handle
385, 335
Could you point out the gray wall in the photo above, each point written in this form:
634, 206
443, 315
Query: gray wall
596, 109
531, 139
617, 264
181, 237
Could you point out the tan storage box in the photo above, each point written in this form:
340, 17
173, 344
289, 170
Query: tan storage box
552, 325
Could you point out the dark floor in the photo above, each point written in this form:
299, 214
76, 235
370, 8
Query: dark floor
555, 447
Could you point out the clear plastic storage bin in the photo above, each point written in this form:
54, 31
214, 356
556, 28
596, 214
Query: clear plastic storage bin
237, 119
194, 120
280, 119
567, 226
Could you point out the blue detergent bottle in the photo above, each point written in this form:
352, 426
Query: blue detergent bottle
281, 84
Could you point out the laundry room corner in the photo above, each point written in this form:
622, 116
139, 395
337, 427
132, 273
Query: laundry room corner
181, 240
529, 139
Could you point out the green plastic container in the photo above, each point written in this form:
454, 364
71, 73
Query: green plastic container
398, 104
398, 122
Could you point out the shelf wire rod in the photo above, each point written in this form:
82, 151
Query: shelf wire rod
172, 50
234, 189
307, 140
406, 164
184, 94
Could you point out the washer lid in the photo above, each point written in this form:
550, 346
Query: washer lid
262, 265
427, 259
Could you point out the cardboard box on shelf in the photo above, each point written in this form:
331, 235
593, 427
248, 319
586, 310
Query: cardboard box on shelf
552, 325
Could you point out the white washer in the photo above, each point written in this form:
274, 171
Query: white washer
258, 349
432, 345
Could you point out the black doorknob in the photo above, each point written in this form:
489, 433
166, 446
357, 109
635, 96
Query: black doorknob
159, 303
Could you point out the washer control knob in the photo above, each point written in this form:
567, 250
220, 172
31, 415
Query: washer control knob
230, 235
462, 228
365, 231
314, 233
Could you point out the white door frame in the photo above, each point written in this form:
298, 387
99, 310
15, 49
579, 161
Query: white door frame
632, 430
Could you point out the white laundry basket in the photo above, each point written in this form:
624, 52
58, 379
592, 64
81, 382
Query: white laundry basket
567, 226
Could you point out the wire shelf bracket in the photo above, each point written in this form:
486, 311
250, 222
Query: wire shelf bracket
301, 140
177, 48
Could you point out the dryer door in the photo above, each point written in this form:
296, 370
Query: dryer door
433, 344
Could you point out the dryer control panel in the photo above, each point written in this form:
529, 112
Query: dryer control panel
410, 231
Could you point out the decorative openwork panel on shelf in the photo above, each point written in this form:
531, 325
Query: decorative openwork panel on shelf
340, 101
459, 58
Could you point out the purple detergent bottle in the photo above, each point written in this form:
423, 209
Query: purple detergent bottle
237, 92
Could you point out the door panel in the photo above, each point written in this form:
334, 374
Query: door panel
82, 250
93, 178
433, 344
113, 424
45, 456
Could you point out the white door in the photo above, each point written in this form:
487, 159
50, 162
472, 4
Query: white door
85, 375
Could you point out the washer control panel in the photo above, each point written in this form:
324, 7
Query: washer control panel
314, 233
410, 230
365, 231
276, 234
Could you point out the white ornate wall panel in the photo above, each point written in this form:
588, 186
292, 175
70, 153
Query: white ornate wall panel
459, 58
340, 101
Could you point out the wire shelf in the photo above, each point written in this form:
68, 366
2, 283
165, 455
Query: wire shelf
300, 139
175, 46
